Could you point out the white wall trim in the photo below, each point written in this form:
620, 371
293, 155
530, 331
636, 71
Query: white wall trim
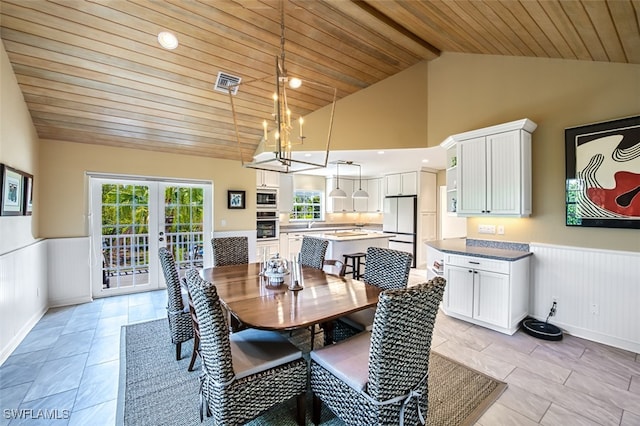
68, 270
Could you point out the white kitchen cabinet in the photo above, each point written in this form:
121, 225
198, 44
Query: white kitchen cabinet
494, 170
451, 198
339, 205
285, 194
427, 231
488, 292
267, 179
401, 184
272, 247
376, 195
428, 192
361, 205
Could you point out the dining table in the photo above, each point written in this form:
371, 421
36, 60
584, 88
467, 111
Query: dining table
257, 303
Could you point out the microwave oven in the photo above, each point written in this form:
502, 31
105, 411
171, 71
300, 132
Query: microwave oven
267, 199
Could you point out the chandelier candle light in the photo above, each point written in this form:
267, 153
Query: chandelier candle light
278, 135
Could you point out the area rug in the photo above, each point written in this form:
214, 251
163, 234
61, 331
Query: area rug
155, 389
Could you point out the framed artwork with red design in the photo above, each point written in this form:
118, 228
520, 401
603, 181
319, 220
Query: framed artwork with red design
603, 174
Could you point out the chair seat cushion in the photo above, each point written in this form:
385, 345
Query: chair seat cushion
253, 351
348, 360
362, 320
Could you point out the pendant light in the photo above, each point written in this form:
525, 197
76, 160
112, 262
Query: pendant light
360, 193
337, 192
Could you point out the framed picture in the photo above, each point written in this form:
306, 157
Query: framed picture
11, 203
28, 194
603, 174
235, 199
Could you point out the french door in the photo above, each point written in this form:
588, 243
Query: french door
131, 219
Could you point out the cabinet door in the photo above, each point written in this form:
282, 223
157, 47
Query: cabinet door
472, 175
285, 194
459, 290
491, 298
295, 244
428, 192
270, 248
503, 173
374, 188
409, 183
265, 178
392, 184
361, 204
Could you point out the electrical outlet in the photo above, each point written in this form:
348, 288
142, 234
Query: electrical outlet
595, 309
486, 229
223, 223
500, 229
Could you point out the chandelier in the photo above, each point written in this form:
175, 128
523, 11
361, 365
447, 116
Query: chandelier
281, 129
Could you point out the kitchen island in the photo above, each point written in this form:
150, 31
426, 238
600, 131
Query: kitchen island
345, 242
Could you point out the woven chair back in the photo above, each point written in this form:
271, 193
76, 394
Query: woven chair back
172, 279
230, 251
386, 268
401, 339
215, 349
312, 252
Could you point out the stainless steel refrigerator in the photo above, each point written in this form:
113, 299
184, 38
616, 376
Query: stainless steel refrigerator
400, 219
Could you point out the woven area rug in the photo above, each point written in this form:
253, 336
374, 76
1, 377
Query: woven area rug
155, 389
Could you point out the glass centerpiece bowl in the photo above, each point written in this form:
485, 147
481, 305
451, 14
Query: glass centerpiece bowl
275, 269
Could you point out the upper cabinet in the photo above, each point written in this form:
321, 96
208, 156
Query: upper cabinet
491, 175
401, 184
339, 205
285, 194
267, 179
374, 202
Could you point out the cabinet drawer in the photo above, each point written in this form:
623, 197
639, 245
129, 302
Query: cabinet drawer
491, 265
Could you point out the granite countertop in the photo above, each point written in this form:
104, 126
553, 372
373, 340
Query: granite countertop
350, 235
498, 250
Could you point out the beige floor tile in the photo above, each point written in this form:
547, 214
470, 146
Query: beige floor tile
635, 384
523, 402
549, 370
573, 400
473, 359
499, 415
519, 341
557, 415
568, 347
604, 349
630, 419
619, 364
593, 386
583, 366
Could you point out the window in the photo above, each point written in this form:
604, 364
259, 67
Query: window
307, 205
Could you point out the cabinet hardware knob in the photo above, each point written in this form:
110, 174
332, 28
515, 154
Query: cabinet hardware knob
474, 263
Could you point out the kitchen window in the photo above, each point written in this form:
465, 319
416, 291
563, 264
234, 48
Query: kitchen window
307, 205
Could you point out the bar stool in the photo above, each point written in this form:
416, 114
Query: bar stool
354, 261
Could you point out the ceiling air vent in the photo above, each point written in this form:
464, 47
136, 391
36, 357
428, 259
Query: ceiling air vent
225, 80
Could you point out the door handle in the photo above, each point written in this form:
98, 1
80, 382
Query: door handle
160, 239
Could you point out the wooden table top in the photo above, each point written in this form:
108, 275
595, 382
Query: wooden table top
324, 297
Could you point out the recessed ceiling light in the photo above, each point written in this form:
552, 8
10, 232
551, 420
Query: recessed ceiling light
167, 40
307, 155
380, 152
425, 160
295, 83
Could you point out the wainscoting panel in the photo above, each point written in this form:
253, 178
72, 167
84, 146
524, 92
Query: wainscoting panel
23, 293
68, 271
597, 291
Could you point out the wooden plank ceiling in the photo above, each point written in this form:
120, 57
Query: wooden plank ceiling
93, 72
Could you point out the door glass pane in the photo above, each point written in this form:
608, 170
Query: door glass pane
125, 235
183, 225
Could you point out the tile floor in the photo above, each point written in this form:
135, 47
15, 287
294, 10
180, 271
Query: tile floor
69, 365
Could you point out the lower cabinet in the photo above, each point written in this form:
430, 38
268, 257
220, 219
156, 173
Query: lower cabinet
491, 293
270, 247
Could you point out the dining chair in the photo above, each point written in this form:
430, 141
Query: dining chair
380, 377
385, 268
230, 250
244, 373
312, 252
180, 322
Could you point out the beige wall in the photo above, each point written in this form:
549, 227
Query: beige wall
473, 91
18, 149
64, 190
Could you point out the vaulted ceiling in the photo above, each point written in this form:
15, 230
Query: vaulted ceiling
92, 71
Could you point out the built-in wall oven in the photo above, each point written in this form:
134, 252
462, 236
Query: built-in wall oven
267, 225
267, 199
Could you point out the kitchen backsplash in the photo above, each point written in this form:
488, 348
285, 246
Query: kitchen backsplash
340, 218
